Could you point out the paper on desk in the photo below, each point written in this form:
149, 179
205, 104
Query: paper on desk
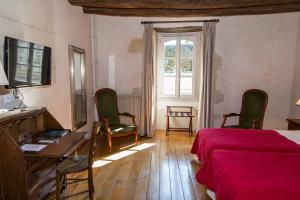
33, 147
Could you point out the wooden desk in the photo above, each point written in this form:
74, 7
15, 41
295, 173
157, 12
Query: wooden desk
180, 111
65, 146
293, 124
30, 176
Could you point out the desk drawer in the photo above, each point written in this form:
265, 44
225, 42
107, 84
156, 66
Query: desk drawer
43, 188
42, 171
41, 180
42, 192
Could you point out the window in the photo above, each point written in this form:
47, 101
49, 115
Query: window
176, 65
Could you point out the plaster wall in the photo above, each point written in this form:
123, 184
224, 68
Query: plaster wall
56, 24
295, 110
251, 52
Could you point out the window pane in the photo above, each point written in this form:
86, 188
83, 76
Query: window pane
186, 67
169, 65
186, 49
23, 54
169, 85
170, 49
186, 85
21, 73
37, 65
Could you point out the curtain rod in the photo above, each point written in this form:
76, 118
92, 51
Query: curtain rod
188, 21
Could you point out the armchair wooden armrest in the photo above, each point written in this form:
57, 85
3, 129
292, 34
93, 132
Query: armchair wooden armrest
228, 115
255, 123
104, 123
126, 114
231, 115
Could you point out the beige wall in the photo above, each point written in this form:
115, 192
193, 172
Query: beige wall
256, 52
57, 24
114, 35
251, 52
295, 110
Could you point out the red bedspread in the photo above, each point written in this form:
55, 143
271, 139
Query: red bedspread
242, 175
208, 140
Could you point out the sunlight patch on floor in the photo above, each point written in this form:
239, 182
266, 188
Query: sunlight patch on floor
101, 163
126, 147
122, 154
119, 155
142, 146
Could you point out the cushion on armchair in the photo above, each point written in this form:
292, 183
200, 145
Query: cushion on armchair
121, 128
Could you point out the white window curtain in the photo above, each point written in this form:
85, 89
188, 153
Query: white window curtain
206, 100
148, 105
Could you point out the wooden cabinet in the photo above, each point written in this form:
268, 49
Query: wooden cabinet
27, 176
293, 124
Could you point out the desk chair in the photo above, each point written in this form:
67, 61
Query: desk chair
68, 166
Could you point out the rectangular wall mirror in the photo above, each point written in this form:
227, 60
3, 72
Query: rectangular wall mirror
78, 87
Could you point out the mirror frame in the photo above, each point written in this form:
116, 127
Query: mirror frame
72, 50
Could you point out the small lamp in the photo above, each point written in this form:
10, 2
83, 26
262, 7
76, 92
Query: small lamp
298, 102
3, 78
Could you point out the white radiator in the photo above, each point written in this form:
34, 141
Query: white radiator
132, 105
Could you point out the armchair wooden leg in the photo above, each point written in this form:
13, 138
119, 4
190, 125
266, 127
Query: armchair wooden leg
167, 125
57, 186
136, 139
91, 185
191, 127
109, 142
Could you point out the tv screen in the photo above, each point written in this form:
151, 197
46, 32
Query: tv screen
26, 64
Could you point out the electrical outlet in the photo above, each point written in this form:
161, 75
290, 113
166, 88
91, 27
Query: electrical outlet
8, 98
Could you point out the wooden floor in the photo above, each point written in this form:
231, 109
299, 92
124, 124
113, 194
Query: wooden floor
158, 168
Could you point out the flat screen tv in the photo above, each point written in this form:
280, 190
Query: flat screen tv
26, 64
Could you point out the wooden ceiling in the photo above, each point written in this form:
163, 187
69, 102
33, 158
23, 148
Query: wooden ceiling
186, 8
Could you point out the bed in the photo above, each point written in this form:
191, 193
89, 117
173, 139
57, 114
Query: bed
234, 175
209, 140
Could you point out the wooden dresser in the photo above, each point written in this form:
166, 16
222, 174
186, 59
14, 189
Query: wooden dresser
293, 124
25, 176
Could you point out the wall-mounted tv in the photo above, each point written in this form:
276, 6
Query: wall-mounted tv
26, 64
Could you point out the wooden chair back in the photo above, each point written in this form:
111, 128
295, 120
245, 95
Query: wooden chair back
107, 105
95, 130
254, 105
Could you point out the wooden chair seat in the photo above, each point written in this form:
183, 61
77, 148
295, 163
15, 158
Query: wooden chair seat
121, 128
69, 166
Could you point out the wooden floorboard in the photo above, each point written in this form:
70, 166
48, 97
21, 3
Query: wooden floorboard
159, 168
153, 185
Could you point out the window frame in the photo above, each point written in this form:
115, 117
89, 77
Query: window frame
190, 36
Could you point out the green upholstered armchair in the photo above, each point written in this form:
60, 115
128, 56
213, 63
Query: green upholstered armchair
254, 105
108, 113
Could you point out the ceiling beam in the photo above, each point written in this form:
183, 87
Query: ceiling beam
180, 8
177, 4
192, 12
